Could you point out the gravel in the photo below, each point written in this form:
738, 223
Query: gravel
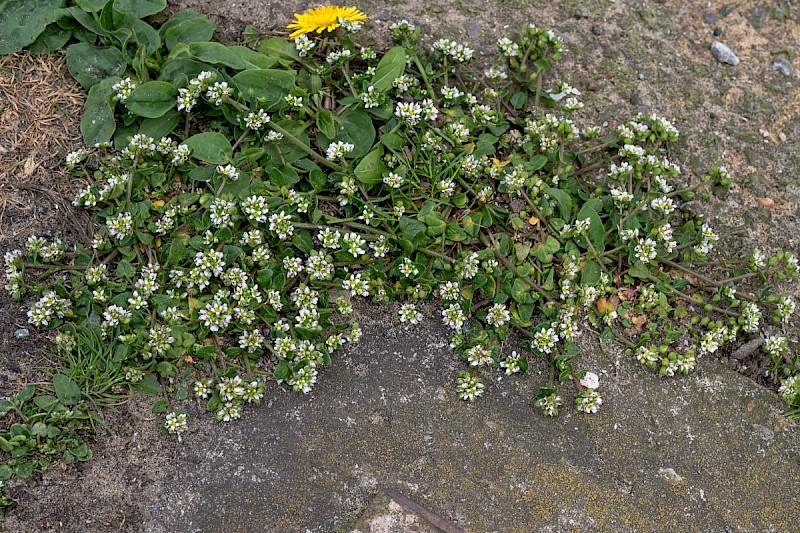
724, 54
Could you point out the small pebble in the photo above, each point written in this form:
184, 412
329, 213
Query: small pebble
597, 29
22, 333
766, 433
724, 54
642, 77
717, 32
710, 18
783, 66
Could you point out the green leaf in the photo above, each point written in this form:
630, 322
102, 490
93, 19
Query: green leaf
140, 8
186, 27
22, 21
82, 452
152, 99
353, 126
544, 252
518, 100
67, 390
325, 124
125, 270
160, 406
210, 147
268, 85
97, 121
253, 59
370, 170
147, 386
26, 393
590, 274
216, 54
92, 6
89, 64
391, 65
166, 369
283, 175
412, 230
393, 141
563, 200
522, 249
303, 242
24, 470
142, 33
282, 371
175, 66
161, 126
454, 232
289, 151
280, 48
53, 38
87, 20
639, 272
596, 233
537, 162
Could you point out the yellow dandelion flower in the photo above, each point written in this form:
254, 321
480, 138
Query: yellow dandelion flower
325, 18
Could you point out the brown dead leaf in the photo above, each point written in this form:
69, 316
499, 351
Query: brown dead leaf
639, 321
533, 221
765, 202
626, 295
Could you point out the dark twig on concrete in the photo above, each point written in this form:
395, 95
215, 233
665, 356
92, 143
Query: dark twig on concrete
434, 519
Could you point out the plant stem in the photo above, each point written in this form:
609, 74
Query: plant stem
307, 149
491, 243
240, 139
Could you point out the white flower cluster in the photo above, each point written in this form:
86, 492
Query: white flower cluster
588, 401
233, 393
468, 387
508, 47
123, 89
549, 404
409, 313
49, 307
12, 262
454, 50
338, 150
706, 240
304, 45
789, 391
338, 55
176, 423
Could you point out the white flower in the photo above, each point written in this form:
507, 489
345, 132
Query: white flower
337, 150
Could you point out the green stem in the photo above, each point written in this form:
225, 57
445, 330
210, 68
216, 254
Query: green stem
491, 243
307, 149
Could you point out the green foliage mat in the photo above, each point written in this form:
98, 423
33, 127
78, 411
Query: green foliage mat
246, 197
